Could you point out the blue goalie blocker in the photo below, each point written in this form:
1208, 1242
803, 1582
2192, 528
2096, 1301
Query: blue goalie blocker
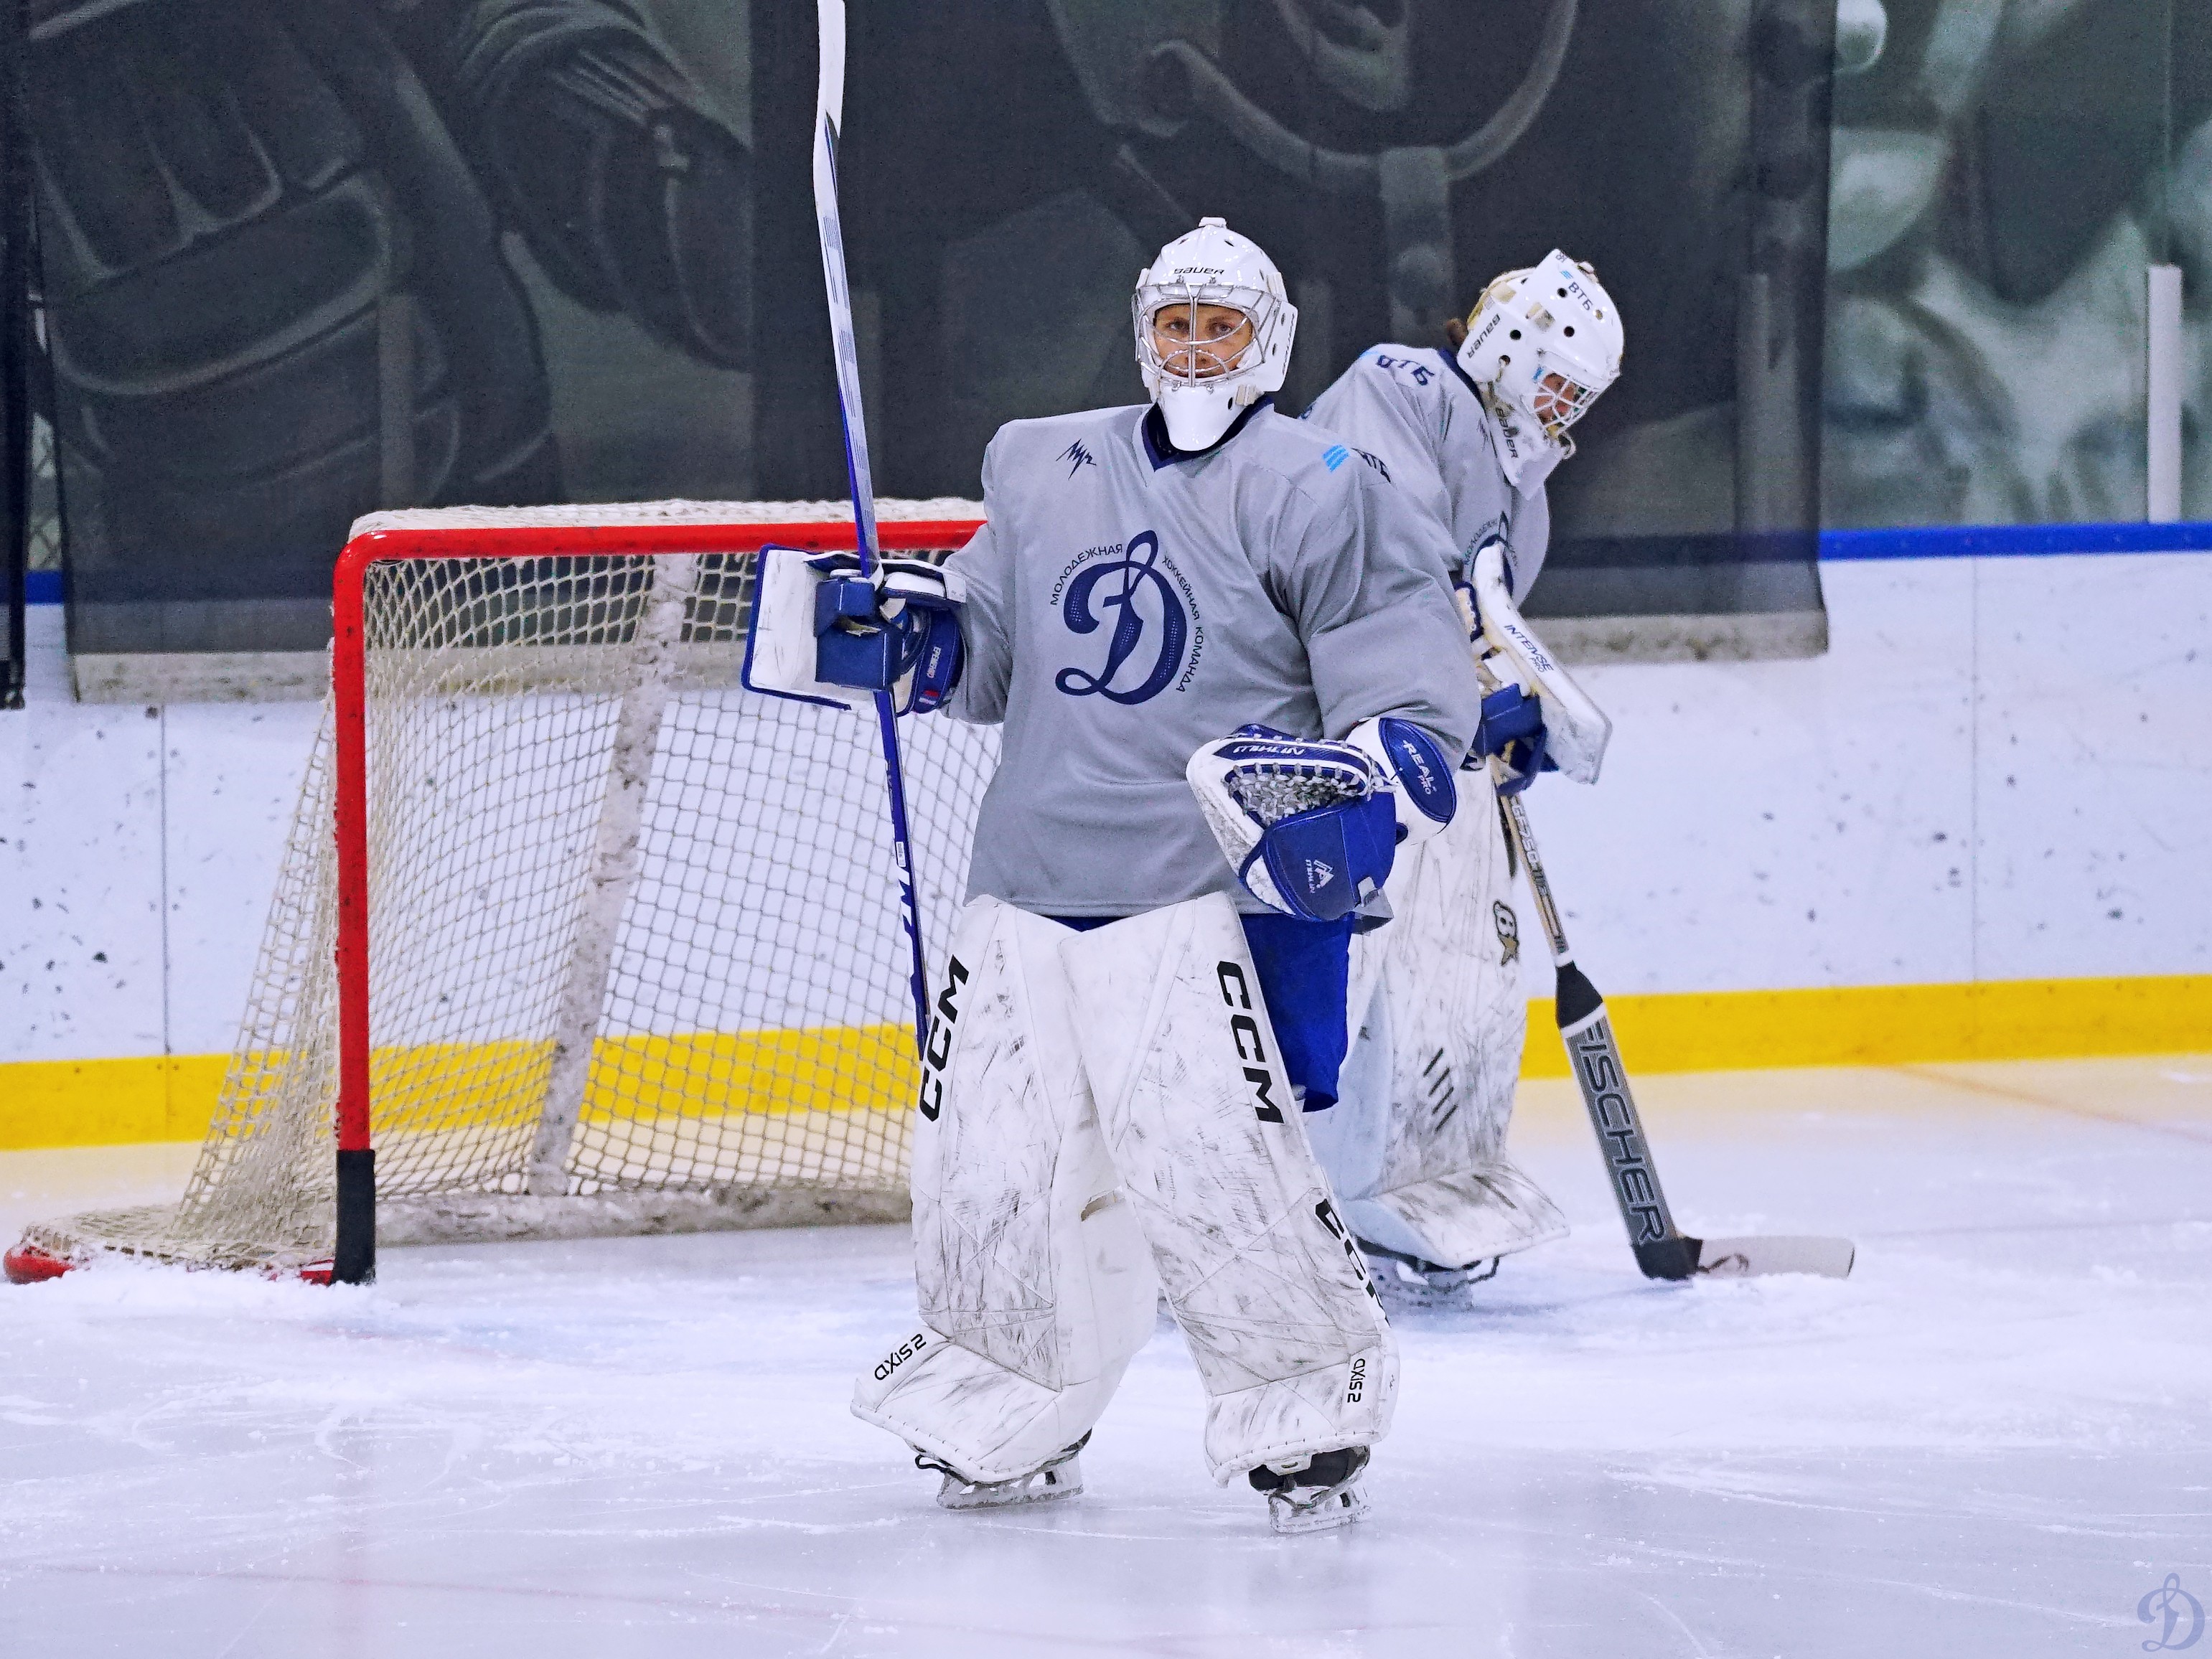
821, 631
1513, 730
901, 638
851, 645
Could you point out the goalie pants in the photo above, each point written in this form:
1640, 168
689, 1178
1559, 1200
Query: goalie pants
1102, 1118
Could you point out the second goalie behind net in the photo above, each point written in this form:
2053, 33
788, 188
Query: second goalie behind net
1232, 677
1470, 431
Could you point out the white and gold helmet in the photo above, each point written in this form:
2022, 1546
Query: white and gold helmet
1543, 342
1201, 366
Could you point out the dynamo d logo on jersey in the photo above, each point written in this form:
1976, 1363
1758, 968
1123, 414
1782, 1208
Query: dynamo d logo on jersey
1140, 601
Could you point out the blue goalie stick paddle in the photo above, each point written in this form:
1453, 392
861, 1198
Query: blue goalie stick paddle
828, 113
1662, 1250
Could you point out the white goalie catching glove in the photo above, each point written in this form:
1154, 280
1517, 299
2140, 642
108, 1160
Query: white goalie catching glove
823, 632
1311, 827
1539, 718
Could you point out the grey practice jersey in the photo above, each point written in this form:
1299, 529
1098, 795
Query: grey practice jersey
1415, 408
1122, 609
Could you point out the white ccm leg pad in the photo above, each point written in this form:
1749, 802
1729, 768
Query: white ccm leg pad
1271, 1294
1036, 1286
1417, 1156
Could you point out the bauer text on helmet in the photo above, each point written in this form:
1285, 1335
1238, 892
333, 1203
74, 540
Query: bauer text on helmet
1213, 326
1543, 342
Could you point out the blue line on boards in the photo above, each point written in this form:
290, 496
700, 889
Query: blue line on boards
1969, 541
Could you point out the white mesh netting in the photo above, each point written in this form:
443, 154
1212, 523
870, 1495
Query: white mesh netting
635, 953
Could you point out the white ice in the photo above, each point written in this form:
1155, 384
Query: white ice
1993, 1440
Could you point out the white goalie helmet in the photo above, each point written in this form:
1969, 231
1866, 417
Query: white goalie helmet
1543, 342
1202, 365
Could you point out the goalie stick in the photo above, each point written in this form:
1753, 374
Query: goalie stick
1662, 1250
829, 113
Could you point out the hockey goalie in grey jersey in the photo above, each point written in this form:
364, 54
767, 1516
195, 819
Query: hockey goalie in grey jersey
1231, 673
1416, 1149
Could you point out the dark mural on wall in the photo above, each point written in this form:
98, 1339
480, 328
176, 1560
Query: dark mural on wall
304, 260
1391, 160
275, 285
2004, 173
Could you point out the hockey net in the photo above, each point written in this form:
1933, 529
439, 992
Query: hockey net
628, 944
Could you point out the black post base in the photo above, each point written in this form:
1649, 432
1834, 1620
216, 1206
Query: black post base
355, 1262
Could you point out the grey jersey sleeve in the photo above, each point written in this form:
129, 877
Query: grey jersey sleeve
1399, 423
985, 573
1364, 576
1414, 409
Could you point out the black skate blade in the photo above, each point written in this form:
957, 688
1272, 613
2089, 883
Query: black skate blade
1339, 1507
1047, 1486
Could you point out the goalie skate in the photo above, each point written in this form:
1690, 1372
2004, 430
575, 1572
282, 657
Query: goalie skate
1323, 1493
1060, 1476
1407, 1282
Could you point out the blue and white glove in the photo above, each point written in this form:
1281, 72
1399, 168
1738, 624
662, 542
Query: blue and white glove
1311, 828
1415, 767
1513, 730
897, 631
822, 632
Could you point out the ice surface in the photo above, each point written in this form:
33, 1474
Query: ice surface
1992, 1440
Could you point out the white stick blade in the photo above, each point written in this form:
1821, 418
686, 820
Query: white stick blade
1746, 1258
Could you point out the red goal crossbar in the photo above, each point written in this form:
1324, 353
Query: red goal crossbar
484, 537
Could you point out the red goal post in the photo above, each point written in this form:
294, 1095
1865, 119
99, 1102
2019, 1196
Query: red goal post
260, 1196
494, 533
